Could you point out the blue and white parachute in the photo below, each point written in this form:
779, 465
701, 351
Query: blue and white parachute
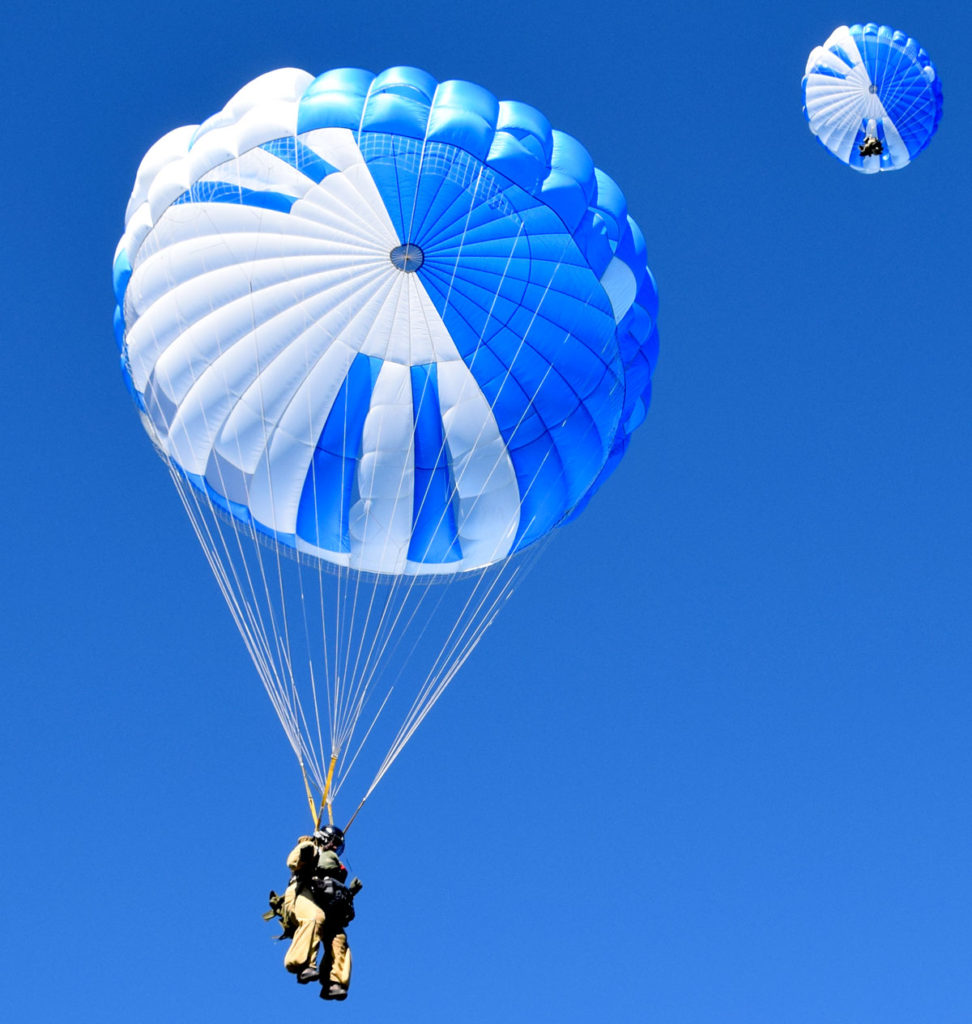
872, 97
383, 330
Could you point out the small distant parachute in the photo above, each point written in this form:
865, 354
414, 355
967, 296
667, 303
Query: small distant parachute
872, 97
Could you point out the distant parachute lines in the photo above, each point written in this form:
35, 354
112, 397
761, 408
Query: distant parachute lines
872, 96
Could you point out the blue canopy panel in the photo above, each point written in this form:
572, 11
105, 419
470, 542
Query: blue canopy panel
435, 536
324, 513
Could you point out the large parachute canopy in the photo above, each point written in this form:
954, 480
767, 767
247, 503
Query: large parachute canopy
872, 97
387, 334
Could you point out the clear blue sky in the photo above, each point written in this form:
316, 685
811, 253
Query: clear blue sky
713, 762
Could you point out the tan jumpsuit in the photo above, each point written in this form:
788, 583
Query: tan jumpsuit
310, 919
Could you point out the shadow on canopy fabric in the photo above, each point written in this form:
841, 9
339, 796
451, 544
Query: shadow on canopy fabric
872, 97
385, 332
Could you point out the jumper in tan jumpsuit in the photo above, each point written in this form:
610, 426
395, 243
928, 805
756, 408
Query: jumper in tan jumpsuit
310, 919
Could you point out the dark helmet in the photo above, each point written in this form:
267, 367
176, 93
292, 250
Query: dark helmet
331, 838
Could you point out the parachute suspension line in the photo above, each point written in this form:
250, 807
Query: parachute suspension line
327, 797
287, 710
364, 675
310, 796
353, 816
323, 630
283, 647
345, 616
427, 699
271, 670
255, 627
402, 297
364, 739
451, 659
355, 677
891, 95
347, 610
361, 675
347, 606
296, 703
391, 631
334, 676
293, 704
458, 647
301, 564
311, 675
247, 618
324, 643
284, 644
294, 713
206, 541
471, 625
387, 634
435, 687
461, 641
344, 604
261, 652
449, 663
289, 696
366, 664
442, 671
355, 697
323, 623
247, 625
465, 636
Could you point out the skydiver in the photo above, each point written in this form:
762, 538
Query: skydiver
871, 146
317, 906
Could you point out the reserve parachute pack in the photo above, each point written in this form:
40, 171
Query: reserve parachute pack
335, 899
